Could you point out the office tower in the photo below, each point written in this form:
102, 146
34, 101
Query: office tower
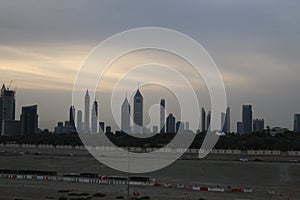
247, 118
170, 123
203, 120
79, 121
108, 129
72, 117
179, 127
87, 112
125, 116
29, 120
7, 107
258, 125
297, 122
101, 127
240, 127
138, 112
225, 121
162, 115
208, 120
95, 117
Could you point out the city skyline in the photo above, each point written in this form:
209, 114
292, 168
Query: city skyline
258, 62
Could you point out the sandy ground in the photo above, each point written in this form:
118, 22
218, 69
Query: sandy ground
262, 177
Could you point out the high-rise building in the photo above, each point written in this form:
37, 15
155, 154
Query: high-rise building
258, 125
29, 120
297, 122
203, 120
87, 112
208, 120
72, 117
162, 115
179, 127
240, 127
108, 129
225, 121
7, 107
125, 116
101, 127
138, 112
247, 118
79, 121
95, 117
170, 123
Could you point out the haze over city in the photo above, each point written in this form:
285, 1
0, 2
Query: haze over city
255, 45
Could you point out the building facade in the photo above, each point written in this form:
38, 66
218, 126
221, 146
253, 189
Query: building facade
7, 107
125, 117
258, 125
297, 122
138, 112
171, 124
95, 117
162, 115
247, 118
29, 120
87, 112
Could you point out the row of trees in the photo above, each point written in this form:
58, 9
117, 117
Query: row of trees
284, 142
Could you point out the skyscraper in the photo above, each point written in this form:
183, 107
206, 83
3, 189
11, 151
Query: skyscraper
138, 112
95, 117
170, 123
162, 115
87, 112
203, 119
208, 120
125, 116
7, 107
247, 118
101, 127
240, 127
297, 122
29, 120
180, 127
225, 121
72, 117
79, 121
258, 125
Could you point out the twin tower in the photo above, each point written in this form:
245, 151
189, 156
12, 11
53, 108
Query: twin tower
138, 103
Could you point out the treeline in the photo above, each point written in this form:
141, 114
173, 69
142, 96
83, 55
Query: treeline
283, 142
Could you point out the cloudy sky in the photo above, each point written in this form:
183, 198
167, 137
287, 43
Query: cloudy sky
255, 44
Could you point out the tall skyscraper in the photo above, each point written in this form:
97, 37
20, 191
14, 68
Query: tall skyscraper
29, 120
258, 125
170, 123
297, 122
208, 120
95, 117
203, 120
225, 121
79, 121
7, 107
247, 118
101, 127
125, 116
87, 112
180, 127
138, 112
72, 117
162, 115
